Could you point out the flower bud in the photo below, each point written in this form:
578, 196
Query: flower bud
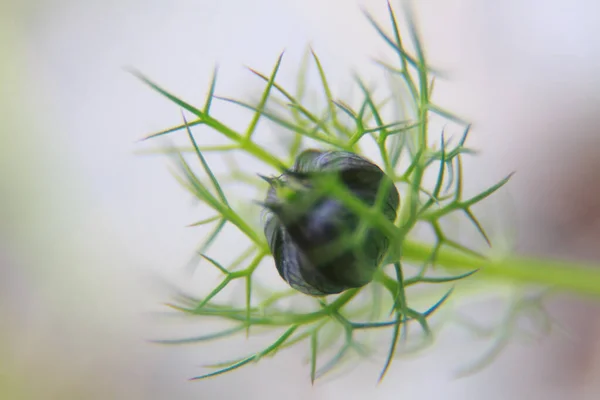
315, 240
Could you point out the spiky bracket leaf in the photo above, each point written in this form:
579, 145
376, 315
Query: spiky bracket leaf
346, 311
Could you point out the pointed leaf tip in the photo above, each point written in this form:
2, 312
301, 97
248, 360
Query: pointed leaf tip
268, 179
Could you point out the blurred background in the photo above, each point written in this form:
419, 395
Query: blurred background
86, 225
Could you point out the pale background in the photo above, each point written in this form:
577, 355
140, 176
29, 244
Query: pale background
87, 223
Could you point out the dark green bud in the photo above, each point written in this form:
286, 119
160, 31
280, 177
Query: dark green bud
316, 241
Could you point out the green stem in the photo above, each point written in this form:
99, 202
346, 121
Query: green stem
571, 276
